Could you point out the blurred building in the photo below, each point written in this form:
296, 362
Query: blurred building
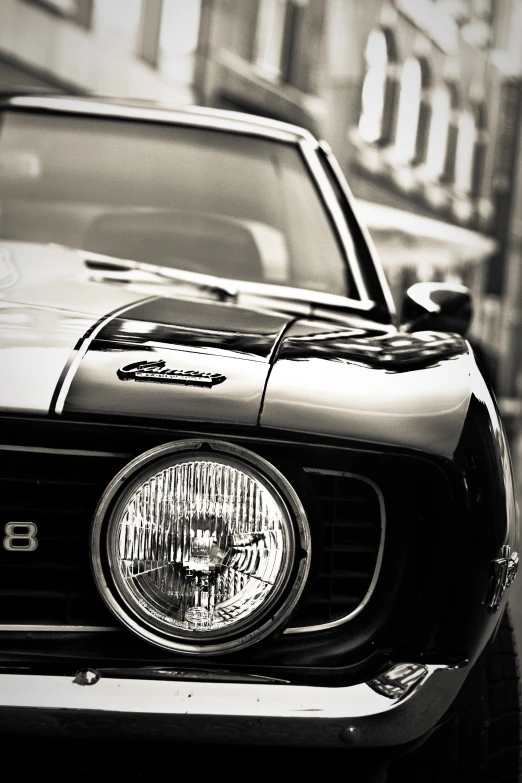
431, 139
266, 57
136, 48
420, 101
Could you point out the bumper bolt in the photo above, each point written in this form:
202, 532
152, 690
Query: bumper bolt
350, 735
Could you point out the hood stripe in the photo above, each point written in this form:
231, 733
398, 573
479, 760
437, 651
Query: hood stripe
71, 368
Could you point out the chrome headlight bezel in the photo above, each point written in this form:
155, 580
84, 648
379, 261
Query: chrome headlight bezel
212, 642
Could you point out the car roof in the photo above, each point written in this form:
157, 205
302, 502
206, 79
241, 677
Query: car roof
151, 111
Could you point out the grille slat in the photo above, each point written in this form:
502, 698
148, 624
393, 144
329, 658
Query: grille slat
355, 547
53, 585
351, 517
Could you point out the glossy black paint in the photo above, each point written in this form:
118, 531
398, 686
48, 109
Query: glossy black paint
336, 376
369, 385
197, 324
193, 336
337, 654
428, 603
443, 530
447, 513
303, 385
372, 348
488, 513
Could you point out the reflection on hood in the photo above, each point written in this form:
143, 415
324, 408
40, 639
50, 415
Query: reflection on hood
390, 352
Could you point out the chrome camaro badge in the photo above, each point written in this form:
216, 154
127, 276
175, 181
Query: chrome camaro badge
159, 372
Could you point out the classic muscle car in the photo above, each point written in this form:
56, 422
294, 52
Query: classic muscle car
240, 497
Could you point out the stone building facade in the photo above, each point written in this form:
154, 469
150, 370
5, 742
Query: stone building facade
135, 48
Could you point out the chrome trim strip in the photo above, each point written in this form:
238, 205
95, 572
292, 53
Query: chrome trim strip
336, 214
213, 120
339, 174
305, 295
182, 697
84, 347
59, 628
179, 673
369, 593
70, 452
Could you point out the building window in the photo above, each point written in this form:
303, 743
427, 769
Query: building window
409, 111
439, 133
79, 11
239, 23
448, 175
303, 47
270, 37
465, 153
378, 91
170, 30
179, 27
480, 151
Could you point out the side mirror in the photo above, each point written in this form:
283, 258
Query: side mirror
438, 307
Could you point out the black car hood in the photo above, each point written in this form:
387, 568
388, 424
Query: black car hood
184, 360
77, 346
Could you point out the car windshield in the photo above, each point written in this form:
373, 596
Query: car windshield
221, 203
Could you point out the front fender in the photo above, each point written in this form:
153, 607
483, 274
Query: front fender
487, 516
408, 391
439, 410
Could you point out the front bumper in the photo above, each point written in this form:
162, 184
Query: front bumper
248, 712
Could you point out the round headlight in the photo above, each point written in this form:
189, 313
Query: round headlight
200, 547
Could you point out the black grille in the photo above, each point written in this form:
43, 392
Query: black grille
352, 526
58, 492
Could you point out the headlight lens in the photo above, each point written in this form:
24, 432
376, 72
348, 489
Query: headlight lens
200, 548
199, 545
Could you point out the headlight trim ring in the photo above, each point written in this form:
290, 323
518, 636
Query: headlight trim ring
268, 621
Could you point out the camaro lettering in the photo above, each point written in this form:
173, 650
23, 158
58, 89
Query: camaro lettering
159, 372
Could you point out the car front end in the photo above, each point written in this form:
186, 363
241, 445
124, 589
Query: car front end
236, 510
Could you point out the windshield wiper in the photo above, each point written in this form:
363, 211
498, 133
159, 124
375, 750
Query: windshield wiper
288, 299
128, 271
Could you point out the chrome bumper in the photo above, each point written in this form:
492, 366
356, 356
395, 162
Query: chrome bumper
260, 713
